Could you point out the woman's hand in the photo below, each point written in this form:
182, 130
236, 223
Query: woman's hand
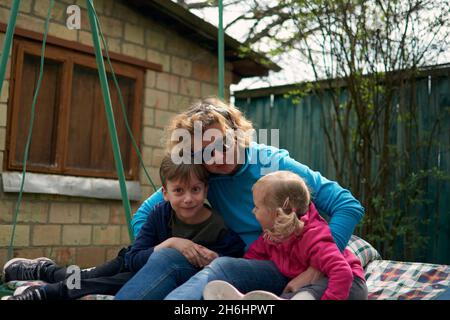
208, 255
310, 276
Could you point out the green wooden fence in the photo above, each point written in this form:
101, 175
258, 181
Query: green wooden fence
301, 132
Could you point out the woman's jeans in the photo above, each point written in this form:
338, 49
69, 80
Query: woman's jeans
168, 274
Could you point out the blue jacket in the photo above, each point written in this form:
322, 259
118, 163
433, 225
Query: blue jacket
231, 195
157, 229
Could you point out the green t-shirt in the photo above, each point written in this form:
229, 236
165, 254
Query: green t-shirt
206, 232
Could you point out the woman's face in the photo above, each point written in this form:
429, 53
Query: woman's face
219, 152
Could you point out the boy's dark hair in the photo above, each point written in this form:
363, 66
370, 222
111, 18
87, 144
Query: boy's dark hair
171, 171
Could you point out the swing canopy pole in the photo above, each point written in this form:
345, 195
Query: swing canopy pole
8, 41
109, 114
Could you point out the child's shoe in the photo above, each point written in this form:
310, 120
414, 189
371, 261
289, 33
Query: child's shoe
261, 295
30, 293
26, 269
221, 290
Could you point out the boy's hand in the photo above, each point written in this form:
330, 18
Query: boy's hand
189, 249
310, 276
208, 255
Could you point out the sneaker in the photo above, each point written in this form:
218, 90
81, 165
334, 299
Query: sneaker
30, 293
26, 269
221, 290
261, 295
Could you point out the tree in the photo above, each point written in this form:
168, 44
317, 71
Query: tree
366, 56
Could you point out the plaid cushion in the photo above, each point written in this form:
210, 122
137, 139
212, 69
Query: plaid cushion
393, 280
363, 250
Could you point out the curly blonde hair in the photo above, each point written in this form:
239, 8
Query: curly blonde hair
210, 111
288, 195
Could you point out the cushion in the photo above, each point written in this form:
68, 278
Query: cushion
363, 250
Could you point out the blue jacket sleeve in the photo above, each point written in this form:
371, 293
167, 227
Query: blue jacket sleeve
330, 198
138, 254
140, 217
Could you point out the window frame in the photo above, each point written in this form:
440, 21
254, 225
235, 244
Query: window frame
69, 58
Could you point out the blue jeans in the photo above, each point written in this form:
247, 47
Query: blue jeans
165, 270
245, 275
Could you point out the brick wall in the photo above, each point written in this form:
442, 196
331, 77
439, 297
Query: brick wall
88, 231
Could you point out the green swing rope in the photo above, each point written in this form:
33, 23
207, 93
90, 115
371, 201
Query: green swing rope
221, 53
33, 107
110, 115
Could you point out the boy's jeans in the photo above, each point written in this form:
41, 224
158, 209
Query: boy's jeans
168, 274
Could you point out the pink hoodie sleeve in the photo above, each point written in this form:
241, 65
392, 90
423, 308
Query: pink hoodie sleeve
257, 250
326, 257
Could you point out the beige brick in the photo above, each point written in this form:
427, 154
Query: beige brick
5, 92
157, 156
30, 23
154, 175
178, 103
58, 11
150, 79
181, 67
159, 58
134, 33
149, 116
162, 118
117, 214
21, 235
167, 82
179, 46
153, 137
156, 98
3, 115
46, 235
76, 235
202, 72
90, 257
33, 212
134, 50
146, 191
147, 156
61, 31
25, 5
6, 210
85, 38
29, 253
208, 90
155, 40
63, 256
64, 213
2, 139
125, 236
106, 235
3, 256
111, 27
94, 213
190, 88
1, 160
114, 45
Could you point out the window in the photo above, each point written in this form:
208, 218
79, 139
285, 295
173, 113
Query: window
70, 133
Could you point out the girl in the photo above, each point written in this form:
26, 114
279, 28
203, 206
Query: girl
295, 237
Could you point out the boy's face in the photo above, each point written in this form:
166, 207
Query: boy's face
186, 198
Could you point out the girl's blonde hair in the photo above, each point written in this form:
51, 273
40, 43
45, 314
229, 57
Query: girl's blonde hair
288, 195
210, 111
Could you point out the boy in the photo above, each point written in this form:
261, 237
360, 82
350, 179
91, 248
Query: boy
183, 223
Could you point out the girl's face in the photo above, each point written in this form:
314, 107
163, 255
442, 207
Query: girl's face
264, 215
223, 151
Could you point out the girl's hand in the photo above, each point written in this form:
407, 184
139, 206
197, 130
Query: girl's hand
310, 276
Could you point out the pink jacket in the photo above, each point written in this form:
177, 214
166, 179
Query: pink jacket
314, 247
